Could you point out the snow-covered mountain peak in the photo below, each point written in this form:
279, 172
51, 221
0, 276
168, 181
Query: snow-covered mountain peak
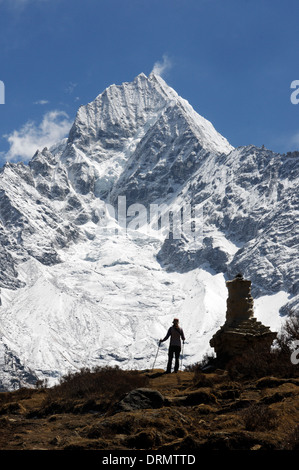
118, 114
112, 137
76, 293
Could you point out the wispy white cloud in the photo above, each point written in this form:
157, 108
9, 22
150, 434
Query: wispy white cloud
42, 102
20, 3
24, 142
285, 142
160, 68
70, 87
17, 7
295, 139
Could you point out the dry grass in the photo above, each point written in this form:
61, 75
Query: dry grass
201, 412
259, 417
107, 384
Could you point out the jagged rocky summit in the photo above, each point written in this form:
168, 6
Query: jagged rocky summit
74, 295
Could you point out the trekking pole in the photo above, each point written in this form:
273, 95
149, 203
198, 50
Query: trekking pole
156, 356
182, 355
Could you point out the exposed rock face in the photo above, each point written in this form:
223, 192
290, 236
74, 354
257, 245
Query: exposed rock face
241, 329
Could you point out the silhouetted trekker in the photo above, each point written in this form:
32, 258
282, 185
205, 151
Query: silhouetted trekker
175, 333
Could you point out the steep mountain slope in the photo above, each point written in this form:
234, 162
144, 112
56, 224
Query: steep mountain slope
79, 290
250, 197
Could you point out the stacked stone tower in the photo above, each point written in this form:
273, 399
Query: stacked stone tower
241, 330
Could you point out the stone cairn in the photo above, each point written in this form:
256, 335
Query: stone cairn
241, 330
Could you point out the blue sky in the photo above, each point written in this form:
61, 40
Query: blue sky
233, 60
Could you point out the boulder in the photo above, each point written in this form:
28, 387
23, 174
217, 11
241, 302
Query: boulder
140, 398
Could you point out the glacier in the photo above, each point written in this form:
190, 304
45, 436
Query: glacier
78, 292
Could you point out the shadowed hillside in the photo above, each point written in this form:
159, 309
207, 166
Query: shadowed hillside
112, 409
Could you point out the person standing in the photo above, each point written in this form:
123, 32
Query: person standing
175, 333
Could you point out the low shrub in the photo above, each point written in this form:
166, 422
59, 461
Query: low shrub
259, 417
109, 383
206, 362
